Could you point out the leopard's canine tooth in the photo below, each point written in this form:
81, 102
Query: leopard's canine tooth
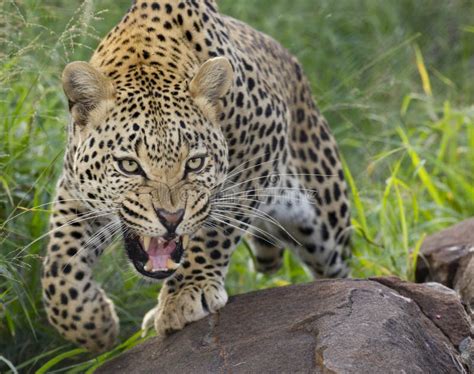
148, 266
185, 240
146, 242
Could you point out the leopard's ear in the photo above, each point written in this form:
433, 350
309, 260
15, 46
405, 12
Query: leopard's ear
212, 81
86, 88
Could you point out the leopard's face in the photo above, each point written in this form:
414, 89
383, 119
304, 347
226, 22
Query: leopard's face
153, 157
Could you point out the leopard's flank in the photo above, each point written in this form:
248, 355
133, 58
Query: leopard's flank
188, 130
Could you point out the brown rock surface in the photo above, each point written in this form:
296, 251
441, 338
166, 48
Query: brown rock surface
447, 257
381, 325
440, 305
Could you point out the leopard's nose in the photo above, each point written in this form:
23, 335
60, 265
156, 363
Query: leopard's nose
170, 220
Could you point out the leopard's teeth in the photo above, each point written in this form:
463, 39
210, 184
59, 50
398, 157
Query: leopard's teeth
146, 242
185, 241
148, 266
170, 264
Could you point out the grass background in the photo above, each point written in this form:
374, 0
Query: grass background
394, 79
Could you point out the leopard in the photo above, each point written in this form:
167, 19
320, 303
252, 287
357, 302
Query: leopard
190, 133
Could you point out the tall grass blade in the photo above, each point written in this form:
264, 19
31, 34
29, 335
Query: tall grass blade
59, 358
361, 216
421, 171
425, 78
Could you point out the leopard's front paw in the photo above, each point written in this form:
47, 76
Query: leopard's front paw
191, 303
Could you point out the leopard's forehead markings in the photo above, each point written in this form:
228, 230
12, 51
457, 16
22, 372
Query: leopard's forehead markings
151, 56
153, 132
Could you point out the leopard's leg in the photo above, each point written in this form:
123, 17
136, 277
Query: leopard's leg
76, 306
299, 220
322, 245
268, 253
197, 287
325, 258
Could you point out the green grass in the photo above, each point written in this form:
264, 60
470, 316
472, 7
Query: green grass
394, 79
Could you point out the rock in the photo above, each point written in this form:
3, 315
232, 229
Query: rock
441, 306
467, 353
382, 325
447, 257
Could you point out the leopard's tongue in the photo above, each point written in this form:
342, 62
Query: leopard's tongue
159, 252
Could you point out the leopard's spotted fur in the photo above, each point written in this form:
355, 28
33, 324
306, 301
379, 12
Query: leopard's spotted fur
174, 81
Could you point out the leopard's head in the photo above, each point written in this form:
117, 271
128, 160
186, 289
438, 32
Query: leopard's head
147, 148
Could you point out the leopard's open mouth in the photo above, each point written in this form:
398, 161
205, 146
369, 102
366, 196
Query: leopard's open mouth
155, 257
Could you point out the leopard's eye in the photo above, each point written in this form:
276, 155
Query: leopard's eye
129, 166
195, 164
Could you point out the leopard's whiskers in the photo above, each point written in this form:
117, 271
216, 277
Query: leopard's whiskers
243, 230
266, 234
28, 210
85, 217
257, 213
252, 215
112, 228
